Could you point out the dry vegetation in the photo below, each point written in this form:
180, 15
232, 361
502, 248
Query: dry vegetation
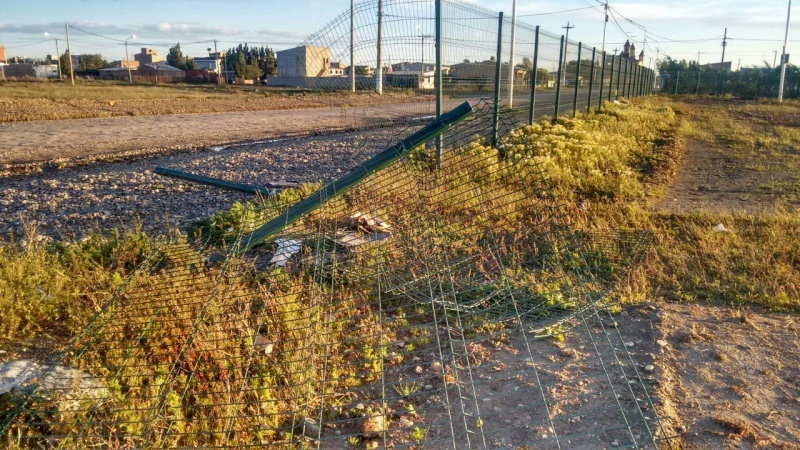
611, 167
25, 101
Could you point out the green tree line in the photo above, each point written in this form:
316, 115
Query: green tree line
251, 62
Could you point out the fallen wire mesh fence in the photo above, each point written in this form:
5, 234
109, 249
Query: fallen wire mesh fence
408, 310
411, 303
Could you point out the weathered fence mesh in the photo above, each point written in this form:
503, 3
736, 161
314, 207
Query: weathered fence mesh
407, 304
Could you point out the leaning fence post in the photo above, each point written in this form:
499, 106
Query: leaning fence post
497, 66
437, 76
534, 80
558, 80
602, 78
591, 82
577, 84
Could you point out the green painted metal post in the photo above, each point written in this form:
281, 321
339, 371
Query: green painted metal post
619, 79
351, 179
534, 78
577, 82
627, 83
677, 80
558, 80
497, 73
602, 78
611, 77
591, 82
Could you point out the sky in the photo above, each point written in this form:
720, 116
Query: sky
676, 28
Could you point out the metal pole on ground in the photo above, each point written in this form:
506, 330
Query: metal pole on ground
511, 54
591, 82
602, 78
784, 56
577, 81
497, 66
69, 57
534, 80
558, 82
352, 46
437, 76
379, 69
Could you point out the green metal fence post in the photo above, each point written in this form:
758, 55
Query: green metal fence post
558, 81
577, 82
611, 77
619, 79
438, 75
697, 85
591, 81
635, 81
534, 78
677, 80
497, 66
602, 78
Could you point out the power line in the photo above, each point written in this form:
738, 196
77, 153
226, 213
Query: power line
556, 12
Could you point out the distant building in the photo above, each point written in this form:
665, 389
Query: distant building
148, 56
411, 79
725, 66
629, 53
30, 70
123, 64
483, 71
2, 54
212, 62
366, 71
304, 61
161, 72
337, 70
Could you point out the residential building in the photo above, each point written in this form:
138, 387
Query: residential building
337, 70
2, 54
160, 72
123, 64
304, 61
725, 66
212, 62
26, 70
148, 56
366, 71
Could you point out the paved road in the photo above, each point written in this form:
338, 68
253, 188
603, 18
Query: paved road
38, 141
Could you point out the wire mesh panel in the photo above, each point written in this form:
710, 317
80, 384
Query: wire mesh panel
403, 305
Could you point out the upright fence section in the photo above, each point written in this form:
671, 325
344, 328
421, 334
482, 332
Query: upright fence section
746, 82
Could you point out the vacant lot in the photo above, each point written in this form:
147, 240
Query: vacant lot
26, 101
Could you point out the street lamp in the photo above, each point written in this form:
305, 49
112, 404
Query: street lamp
127, 59
58, 56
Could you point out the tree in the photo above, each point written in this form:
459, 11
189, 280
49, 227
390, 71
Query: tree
63, 61
240, 65
542, 76
239, 58
526, 63
90, 62
175, 56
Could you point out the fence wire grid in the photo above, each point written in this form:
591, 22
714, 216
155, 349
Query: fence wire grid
414, 303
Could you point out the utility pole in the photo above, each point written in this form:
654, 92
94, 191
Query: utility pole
58, 61
566, 51
69, 57
724, 44
698, 59
128, 61
379, 71
216, 63
352, 46
784, 56
775, 59
605, 24
511, 57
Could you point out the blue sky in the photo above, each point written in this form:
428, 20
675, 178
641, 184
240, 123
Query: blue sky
679, 28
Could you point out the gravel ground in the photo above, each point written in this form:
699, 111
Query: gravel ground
70, 203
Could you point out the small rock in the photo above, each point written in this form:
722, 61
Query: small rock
263, 344
615, 444
486, 400
405, 422
373, 425
436, 367
310, 428
649, 368
630, 344
428, 387
416, 359
575, 419
418, 369
720, 228
337, 432
662, 343
360, 407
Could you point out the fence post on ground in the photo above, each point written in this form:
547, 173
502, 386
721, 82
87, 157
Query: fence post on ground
577, 82
534, 80
677, 80
639, 78
497, 73
591, 81
635, 83
602, 78
558, 80
437, 76
611, 77
619, 79
697, 85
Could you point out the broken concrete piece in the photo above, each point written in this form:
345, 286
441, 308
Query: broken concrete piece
286, 248
49, 379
